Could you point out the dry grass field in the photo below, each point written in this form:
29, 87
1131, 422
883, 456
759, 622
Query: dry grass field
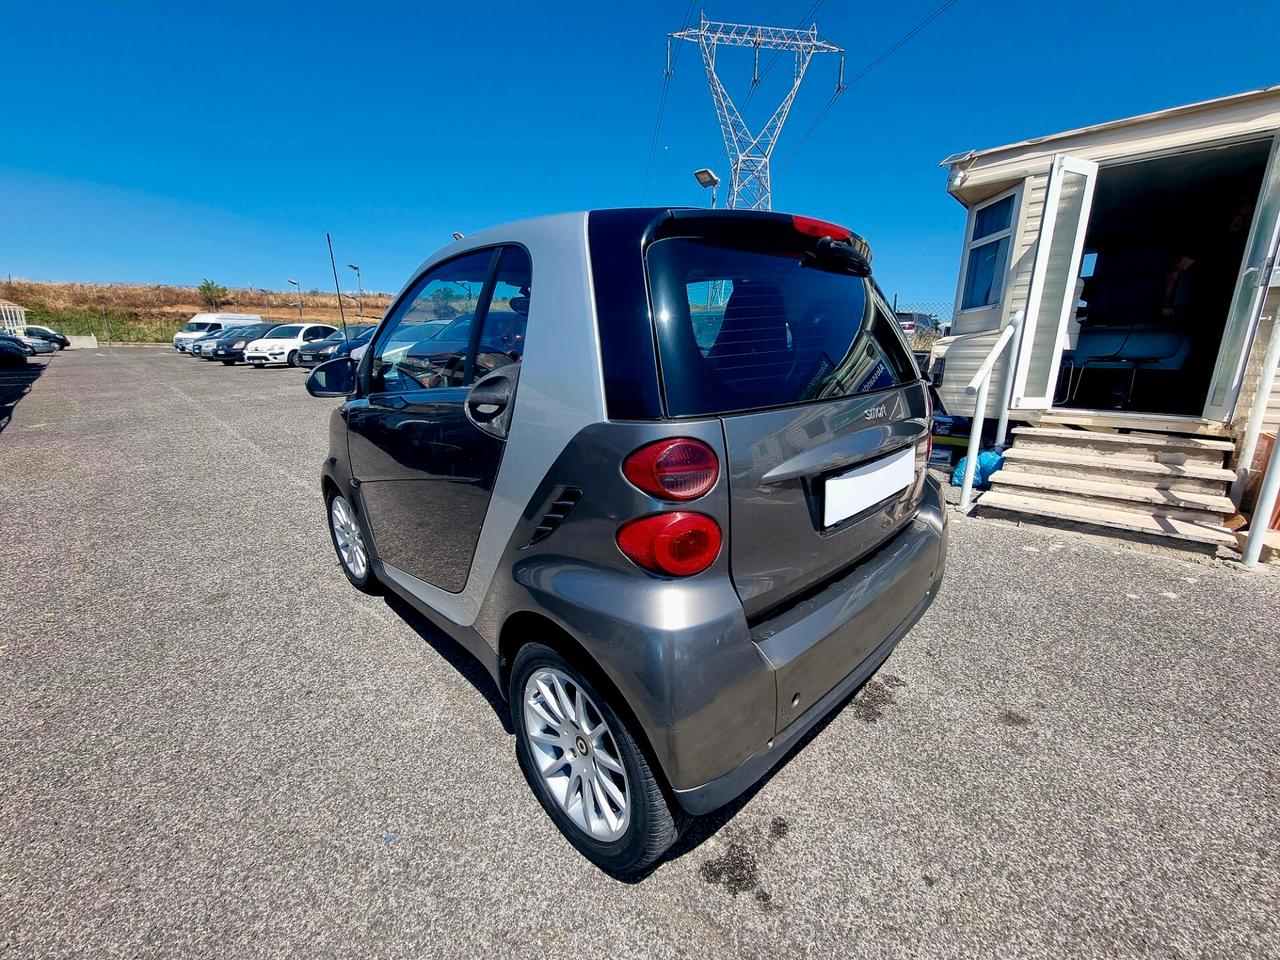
151, 313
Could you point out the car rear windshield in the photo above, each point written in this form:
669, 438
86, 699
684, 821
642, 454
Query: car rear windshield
743, 329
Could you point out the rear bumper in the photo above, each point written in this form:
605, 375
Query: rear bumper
825, 648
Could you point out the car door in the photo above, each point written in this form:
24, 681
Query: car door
425, 469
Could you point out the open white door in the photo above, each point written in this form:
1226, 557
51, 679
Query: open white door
1251, 288
1053, 280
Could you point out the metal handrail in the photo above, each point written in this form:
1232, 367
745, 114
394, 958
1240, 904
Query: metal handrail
1249, 444
979, 386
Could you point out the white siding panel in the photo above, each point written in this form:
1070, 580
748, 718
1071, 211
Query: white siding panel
1271, 419
1268, 327
964, 354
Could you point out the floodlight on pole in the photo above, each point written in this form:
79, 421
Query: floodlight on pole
707, 178
359, 290
299, 286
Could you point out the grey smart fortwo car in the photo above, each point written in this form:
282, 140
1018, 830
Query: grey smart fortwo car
663, 472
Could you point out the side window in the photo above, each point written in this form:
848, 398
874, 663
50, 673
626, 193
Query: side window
426, 342
502, 334
988, 252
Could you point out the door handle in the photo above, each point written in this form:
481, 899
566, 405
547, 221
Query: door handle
490, 400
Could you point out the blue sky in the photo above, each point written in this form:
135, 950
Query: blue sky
158, 142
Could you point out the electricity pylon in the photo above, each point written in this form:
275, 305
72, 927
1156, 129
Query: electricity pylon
749, 153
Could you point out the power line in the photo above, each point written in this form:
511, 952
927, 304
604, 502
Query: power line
662, 104
862, 73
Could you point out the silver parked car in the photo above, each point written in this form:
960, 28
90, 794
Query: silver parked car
666, 480
38, 345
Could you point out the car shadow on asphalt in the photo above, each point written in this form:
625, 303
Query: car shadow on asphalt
455, 654
703, 828
14, 385
700, 829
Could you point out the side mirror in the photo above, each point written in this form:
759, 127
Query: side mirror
334, 378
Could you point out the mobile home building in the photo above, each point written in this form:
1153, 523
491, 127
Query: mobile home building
1138, 258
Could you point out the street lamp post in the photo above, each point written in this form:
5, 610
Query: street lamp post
299, 286
359, 290
707, 178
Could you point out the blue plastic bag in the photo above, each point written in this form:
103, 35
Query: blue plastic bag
988, 463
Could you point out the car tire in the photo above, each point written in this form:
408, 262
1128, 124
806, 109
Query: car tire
293, 358
652, 823
347, 537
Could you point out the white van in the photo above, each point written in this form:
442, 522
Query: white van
203, 323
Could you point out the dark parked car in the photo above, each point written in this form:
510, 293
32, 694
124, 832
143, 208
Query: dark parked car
346, 348
327, 349
200, 346
47, 333
672, 493
13, 353
18, 343
229, 347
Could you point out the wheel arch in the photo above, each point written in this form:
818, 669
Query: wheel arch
528, 626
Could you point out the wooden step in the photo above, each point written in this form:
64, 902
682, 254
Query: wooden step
1127, 420
1127, 446
1137, 493
1121, 506
1205, 478
1077, 512
1142, 439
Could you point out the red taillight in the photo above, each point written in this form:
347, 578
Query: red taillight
677, 544
820, 228
679, 469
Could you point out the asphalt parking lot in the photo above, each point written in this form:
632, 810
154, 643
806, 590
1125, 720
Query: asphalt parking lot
213, 746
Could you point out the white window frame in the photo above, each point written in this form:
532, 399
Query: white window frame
1015, 218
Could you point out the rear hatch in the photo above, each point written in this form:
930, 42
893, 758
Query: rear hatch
772, 324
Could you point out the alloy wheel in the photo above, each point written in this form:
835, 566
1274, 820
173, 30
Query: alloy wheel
349, 539
576, 754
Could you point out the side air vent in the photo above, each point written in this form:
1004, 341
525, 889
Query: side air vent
565, 500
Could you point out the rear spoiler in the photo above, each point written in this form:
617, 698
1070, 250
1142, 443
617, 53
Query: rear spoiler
829, 245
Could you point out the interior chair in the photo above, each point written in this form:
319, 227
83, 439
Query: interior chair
1123, 326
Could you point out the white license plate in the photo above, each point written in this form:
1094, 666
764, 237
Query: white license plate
854, 490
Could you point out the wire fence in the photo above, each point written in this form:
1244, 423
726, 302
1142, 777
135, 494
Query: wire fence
930, 319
